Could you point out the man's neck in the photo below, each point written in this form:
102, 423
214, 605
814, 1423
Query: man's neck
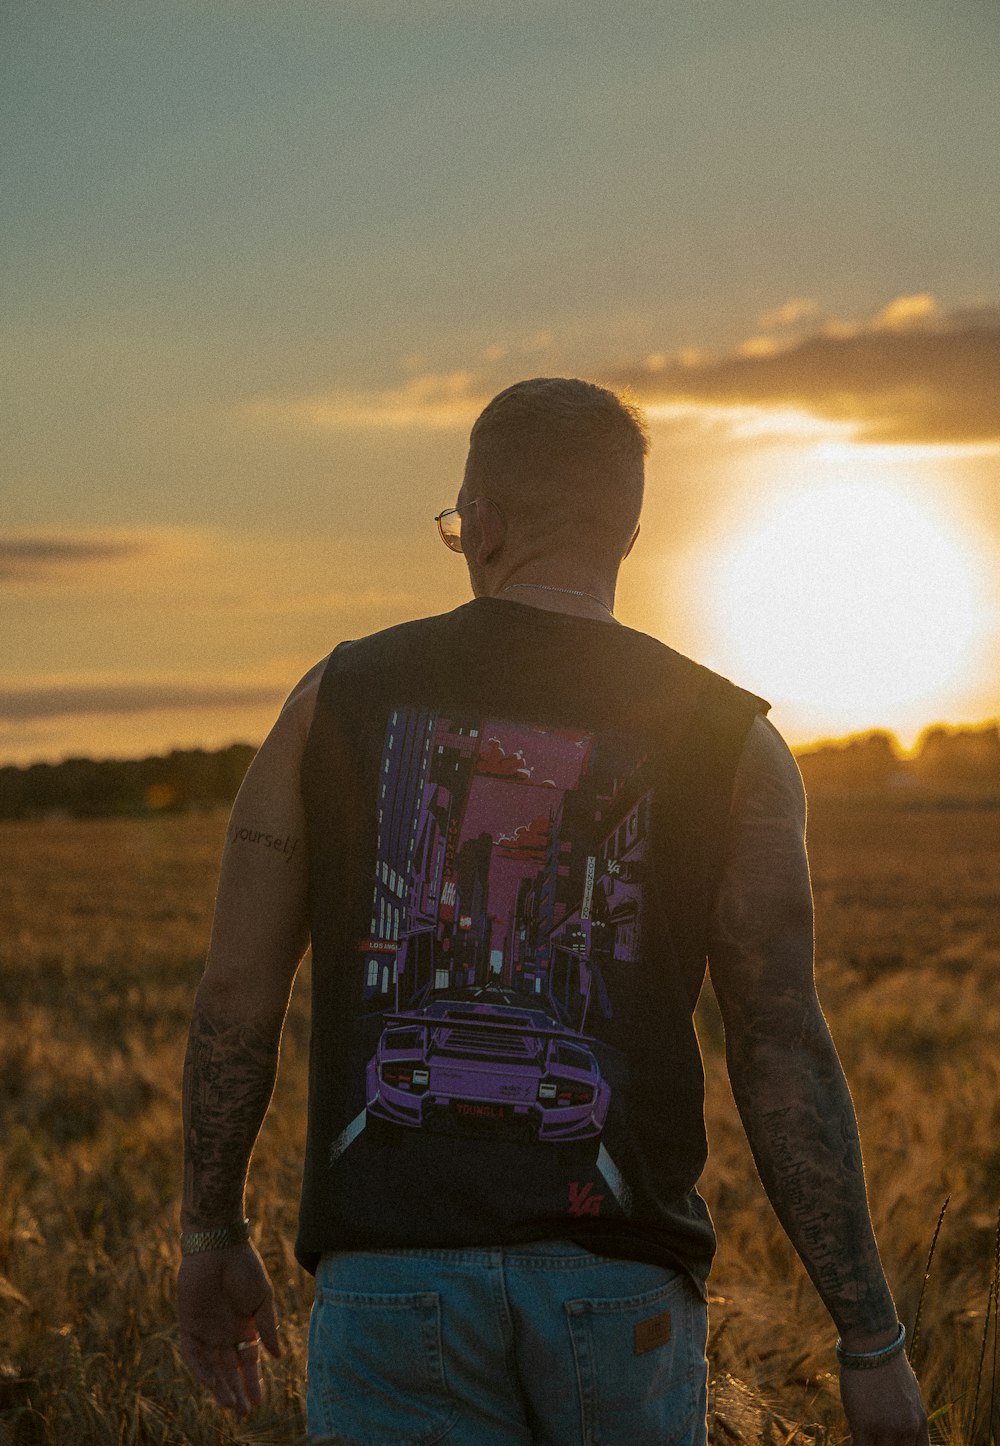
578, 602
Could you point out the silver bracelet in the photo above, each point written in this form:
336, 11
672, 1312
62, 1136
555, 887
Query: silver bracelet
868, 1360
193, 1241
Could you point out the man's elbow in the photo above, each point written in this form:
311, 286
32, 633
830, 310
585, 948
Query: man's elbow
235, 991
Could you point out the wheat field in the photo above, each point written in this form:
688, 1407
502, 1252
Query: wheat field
105, 928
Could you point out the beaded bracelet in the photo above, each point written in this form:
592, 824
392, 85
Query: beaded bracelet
193, 1241
868, 1360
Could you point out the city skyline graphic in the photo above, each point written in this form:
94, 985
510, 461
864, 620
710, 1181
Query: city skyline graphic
508, 853
506, 919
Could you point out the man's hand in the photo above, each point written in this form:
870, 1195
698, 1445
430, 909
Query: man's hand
884, 1406
225, 1297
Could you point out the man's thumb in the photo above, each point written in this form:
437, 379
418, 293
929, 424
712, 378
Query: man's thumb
268, 1326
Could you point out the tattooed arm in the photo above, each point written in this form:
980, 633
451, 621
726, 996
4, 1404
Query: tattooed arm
789, 1086
785, 1073
259, 935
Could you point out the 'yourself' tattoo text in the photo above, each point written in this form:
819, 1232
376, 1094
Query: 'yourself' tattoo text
285, 845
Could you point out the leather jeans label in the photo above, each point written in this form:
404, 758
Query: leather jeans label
652, 1332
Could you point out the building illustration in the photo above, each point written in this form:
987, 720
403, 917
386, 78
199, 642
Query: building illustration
507, 897
508, 854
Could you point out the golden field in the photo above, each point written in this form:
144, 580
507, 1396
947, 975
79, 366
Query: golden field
105, 928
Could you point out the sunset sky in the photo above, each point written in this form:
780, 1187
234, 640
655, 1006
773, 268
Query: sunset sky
264, 261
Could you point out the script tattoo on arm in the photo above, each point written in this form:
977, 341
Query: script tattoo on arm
784, 1069
260, 931
229, 1074
280, 843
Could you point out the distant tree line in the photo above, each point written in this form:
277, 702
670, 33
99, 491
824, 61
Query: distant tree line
100, 788
962, 760
965, 761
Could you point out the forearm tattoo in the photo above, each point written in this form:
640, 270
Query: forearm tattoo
229, 1074
809, 1158
784, 1069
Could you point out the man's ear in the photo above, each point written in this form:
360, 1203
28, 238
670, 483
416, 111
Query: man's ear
492, 530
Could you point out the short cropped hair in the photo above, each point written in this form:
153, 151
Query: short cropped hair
564, 452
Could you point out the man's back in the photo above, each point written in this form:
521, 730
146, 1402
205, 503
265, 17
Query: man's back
515, 822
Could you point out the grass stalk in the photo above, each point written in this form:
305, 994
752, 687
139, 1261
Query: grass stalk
915, 1336
991, 1306
991, 1433
982, 1358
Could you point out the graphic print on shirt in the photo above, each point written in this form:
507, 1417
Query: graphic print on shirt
506, 911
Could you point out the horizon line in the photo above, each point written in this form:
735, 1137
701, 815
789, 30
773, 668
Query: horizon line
812, 745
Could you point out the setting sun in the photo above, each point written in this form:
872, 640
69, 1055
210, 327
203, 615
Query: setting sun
852, 594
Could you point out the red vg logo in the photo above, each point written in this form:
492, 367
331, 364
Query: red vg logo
582, 1200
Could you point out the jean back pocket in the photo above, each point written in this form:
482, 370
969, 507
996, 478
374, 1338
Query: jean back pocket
376, 1369
640, 1364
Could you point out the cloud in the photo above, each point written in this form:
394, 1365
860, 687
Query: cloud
433, 401
904, 312
794, 310
41, 558
99, 560
908, 375
73, 699
528, 841
426, 401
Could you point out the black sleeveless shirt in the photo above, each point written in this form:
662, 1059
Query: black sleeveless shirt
516, 822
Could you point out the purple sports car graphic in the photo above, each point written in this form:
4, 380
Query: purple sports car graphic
486, 1058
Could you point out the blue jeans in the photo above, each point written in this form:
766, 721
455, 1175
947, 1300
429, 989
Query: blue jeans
528, 1345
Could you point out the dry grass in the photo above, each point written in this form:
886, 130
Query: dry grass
106, 924
908, 964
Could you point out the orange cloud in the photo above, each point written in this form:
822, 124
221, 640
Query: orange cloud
907, 375
904, 312
794, 310
431, 401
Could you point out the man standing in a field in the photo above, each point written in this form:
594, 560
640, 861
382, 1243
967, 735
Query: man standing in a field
513, 832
